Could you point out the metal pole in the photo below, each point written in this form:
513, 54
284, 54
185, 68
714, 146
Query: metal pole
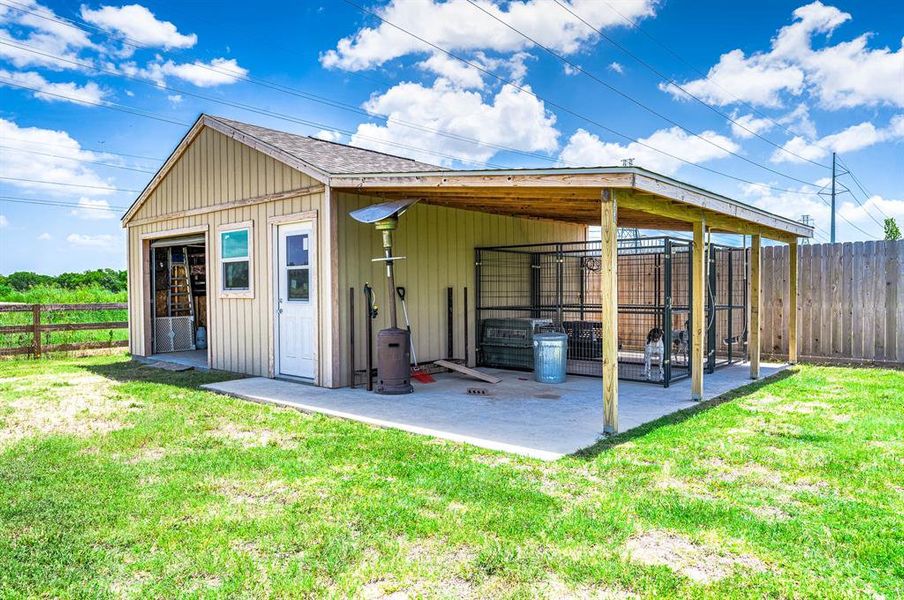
833, 198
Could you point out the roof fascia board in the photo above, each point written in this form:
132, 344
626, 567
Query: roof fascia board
625, 177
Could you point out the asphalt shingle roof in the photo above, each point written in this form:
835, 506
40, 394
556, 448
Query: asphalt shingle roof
330, 157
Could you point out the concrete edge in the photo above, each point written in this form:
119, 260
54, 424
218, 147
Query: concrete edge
446, 435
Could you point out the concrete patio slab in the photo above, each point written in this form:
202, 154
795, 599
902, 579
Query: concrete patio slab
518, 415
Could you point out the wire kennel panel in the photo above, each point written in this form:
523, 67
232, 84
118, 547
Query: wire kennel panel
522, 290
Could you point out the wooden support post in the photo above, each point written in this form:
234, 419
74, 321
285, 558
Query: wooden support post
698, 310
753, 344
792, 303
36, 329
609, 302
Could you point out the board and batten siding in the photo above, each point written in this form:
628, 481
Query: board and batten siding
438, 245
212, 171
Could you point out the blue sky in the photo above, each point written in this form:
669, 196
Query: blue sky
745, 99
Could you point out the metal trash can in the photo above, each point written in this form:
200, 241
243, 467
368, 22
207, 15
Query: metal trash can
550, 357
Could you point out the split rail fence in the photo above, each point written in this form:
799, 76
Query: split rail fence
850, 303
32, 328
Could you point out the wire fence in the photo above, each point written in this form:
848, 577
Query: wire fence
523, 290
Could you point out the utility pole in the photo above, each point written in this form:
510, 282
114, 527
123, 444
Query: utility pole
833, 198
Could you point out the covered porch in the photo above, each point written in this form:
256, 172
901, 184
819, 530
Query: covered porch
612, 198
516, 415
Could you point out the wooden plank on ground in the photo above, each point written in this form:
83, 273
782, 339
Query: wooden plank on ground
468, 371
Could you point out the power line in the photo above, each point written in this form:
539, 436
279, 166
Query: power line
671, 81
312, 124
81, 160
81, 148
866, 194
21, 200
110, 105
566, 109
66, 184
233, 74
636, 25
287, 90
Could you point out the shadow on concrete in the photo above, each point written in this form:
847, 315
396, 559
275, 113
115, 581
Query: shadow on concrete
680, 416
135, 371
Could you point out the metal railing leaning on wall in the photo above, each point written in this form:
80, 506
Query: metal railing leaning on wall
850, 304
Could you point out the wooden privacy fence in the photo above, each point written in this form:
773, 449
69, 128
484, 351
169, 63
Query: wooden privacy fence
850, 303
31, 326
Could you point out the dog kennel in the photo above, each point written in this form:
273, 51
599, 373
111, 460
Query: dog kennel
526, 289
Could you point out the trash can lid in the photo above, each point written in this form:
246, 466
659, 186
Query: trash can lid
551, 336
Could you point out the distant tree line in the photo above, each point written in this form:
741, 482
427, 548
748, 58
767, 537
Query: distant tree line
111, 280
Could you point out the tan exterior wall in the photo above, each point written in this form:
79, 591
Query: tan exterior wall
213, 171
439, 245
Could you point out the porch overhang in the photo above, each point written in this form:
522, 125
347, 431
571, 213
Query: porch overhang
645, 200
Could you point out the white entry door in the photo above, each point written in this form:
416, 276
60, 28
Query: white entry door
296, 301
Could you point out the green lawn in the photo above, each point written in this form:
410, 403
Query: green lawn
121, 480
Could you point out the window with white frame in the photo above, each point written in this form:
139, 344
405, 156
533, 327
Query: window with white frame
235, 259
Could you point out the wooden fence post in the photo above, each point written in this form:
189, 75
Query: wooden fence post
36, 328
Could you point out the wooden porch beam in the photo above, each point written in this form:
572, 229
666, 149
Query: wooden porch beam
698, 309
609, 304
792, 303
753, 343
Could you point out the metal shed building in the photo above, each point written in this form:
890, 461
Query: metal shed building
246, 231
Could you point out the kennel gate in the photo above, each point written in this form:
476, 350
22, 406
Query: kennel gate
524, 289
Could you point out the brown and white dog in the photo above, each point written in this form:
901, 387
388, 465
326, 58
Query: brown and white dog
653, 347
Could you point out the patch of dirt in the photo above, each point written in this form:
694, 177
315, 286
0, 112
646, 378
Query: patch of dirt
770, 513
763, 477
256, 494
82, 405
259, 437
128, 587
147, 455
558, 589
694, 561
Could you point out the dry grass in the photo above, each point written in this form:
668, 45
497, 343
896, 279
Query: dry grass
694, 561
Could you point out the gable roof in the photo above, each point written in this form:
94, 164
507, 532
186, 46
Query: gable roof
317, 158
330, 157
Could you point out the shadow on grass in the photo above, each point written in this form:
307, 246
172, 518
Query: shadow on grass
681, 415
133, 371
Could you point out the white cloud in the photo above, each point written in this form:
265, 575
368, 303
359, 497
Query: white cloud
89, 93
851, 139
584, 148
842, 75
328, 135
139, 25
746, 126
616, 67
795, 205
4, 222
44, 237
455, 71
456, 25
39, 167
93, 209
219, 71
46, 34
512, 118
91, 241
175, 99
